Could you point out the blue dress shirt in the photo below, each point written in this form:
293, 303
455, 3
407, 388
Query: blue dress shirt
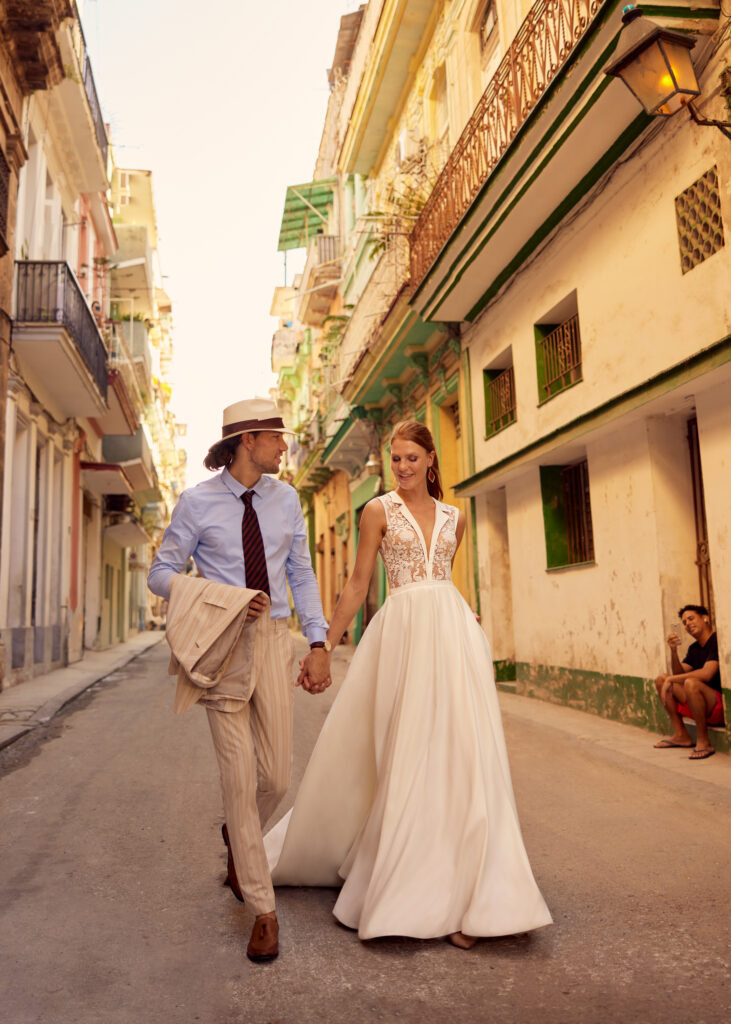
206, 523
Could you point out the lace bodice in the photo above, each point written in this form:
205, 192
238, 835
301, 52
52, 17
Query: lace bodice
403, 547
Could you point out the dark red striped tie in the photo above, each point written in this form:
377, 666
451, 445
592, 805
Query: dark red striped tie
255, 563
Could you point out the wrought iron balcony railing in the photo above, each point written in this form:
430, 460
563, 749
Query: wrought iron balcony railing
95, 108
48, 292
92, 96
540, 49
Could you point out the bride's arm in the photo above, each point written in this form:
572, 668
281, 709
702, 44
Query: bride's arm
372, 528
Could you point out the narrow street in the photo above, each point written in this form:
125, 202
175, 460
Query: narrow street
114, 911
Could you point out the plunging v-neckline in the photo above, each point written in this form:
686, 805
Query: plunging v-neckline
420, 533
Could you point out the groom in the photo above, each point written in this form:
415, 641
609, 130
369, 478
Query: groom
246, 529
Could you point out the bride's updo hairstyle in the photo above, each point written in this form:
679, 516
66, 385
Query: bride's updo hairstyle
412, 430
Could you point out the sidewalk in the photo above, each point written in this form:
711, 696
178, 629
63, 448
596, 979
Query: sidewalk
27, 705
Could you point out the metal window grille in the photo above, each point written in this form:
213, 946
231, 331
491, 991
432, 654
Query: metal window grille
48, 292
562, 356
502, 400
700, 223
577, 508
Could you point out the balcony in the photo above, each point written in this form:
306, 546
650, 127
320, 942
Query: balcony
137, 336
95, 109
546, 130
541, 47
57, 342
320, 279
389, 276
134, 458
123, 395
75, 102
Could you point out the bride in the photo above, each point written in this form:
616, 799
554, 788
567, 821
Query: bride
407, 802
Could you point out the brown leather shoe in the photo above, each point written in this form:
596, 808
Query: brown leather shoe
264, 942
231, 879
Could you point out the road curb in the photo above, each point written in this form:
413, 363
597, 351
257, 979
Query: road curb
51, 707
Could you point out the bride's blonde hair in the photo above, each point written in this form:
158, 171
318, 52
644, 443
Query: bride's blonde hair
412, 430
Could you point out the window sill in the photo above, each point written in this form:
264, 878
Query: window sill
570, 565
499, 430
555, 394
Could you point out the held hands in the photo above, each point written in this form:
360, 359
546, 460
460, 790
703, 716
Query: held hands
315, 671
673, 640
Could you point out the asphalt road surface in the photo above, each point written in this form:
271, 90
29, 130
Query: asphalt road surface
113, 909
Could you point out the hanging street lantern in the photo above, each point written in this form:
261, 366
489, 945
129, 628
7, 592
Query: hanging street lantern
654, 63
373, 466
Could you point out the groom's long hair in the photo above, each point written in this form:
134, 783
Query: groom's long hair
412, 430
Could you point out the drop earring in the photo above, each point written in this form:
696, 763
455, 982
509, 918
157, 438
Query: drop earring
431, 475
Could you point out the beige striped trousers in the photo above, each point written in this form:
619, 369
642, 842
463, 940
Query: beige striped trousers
254, 750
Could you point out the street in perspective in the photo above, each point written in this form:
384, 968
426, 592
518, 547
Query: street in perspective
365, 477
114, 907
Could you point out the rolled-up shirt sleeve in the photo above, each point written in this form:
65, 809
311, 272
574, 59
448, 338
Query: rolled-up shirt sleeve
303, 582
178, 544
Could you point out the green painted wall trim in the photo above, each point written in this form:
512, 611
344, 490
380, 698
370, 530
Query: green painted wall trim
504, 671
554, 516
309, 462
611, 155
411, 331
467, 378
356, 413
682, 373
629, 699
655, 10
364, 492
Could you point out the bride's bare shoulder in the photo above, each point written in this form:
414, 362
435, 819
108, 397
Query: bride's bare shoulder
373, 513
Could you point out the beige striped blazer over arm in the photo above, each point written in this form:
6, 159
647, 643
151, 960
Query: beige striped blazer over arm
214, 649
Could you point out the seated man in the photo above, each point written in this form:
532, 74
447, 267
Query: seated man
694, 688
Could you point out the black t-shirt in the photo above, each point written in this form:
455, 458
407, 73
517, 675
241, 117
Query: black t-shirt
697, 656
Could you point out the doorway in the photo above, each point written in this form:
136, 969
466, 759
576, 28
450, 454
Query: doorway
702, 558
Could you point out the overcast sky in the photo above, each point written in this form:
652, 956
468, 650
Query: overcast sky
224, 102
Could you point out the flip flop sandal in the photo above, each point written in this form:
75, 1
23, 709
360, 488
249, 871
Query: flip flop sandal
701, 755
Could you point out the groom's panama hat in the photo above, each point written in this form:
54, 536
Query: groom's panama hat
250, 415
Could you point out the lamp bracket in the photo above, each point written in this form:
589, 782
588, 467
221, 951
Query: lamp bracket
723, 126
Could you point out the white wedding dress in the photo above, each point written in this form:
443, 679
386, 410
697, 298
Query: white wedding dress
407, 801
